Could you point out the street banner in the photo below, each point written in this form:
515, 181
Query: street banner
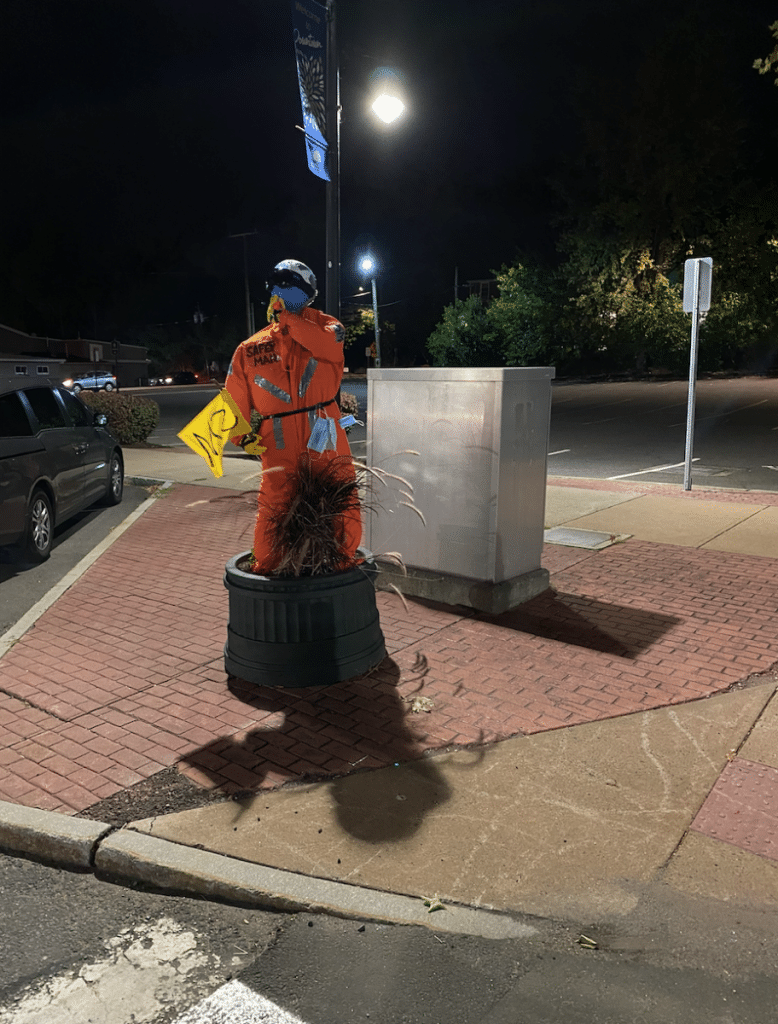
309, 21
210, 430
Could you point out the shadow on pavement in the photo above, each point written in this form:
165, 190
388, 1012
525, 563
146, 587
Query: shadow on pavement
621, 630
334, 733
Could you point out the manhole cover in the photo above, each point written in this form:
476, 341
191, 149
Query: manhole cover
590, 539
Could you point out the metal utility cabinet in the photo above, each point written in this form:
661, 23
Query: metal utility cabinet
479, 480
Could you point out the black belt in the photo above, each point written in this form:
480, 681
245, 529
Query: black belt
294, 412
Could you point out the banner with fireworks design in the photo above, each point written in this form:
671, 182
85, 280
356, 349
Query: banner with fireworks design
310, 47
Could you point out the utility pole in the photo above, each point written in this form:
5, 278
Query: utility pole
249, 318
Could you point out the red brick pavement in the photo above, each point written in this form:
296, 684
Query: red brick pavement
710, 493
124, 676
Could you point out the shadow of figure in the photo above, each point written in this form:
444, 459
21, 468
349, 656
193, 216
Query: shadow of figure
335, 733
384, 806
621, 630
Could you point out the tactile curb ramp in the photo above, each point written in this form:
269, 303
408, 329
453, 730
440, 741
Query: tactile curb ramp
742, 808
132, 856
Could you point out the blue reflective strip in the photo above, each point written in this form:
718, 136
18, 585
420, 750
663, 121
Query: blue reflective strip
272, 389
278, 432
308, 373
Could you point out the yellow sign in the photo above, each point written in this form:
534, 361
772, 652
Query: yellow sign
210, 430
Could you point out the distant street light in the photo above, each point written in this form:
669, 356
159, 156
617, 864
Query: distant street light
370, 267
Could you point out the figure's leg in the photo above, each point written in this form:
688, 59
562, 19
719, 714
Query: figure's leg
273, 493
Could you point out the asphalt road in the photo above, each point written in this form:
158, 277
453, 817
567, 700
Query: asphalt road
637, 430
614, 430
76, 950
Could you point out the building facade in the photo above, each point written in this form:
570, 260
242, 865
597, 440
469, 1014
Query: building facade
25, 355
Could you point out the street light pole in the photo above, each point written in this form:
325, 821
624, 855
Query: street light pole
377, 328
369, 266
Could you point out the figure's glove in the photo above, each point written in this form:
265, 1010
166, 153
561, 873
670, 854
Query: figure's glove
250, 444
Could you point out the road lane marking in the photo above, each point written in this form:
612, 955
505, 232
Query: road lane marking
561, 451
147, 970
724, 412
238, 1004
654, 469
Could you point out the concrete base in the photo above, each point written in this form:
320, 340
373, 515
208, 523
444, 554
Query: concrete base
445, 588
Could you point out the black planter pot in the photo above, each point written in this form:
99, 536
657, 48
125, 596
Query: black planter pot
307, 631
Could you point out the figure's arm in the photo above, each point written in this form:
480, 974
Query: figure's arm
239, 388
320, 334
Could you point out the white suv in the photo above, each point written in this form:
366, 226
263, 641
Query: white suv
91, 382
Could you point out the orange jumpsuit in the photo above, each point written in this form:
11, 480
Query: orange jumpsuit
292, 364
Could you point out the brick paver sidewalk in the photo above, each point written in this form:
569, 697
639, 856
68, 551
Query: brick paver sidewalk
124, 675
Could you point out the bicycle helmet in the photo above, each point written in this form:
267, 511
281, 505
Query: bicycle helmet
295, 283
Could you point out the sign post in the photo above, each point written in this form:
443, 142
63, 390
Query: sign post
697, 275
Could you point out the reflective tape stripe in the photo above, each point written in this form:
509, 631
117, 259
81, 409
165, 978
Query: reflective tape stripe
308, 373
278, 433
272, 389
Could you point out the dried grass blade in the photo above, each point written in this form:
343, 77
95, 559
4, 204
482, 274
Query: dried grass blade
414, 509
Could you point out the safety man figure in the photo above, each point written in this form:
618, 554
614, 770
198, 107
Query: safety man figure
290, 373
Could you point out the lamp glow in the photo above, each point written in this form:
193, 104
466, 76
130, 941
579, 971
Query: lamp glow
388, 108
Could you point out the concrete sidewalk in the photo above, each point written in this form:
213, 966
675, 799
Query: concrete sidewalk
563, 755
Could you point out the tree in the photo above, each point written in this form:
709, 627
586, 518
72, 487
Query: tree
359, 323
765, 64
464, 337
525, 314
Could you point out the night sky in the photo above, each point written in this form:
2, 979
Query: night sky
137, 136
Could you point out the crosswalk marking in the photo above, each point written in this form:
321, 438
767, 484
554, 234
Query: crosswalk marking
147, 970
235, 1003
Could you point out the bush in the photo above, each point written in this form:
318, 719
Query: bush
130, 418
349, 404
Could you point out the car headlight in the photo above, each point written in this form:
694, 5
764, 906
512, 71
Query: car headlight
67, 383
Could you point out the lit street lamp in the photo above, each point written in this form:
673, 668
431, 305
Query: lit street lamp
387, 107
369, 266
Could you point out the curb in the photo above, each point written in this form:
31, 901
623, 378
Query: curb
56, 839
129, 857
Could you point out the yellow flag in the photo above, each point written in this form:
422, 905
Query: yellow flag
210, 430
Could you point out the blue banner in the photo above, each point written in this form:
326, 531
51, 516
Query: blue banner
309, 20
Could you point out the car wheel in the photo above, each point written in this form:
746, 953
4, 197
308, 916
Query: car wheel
76, 389
40, 528
109, 387
115, 481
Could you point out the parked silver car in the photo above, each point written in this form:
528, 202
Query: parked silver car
56, 459
91, 382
